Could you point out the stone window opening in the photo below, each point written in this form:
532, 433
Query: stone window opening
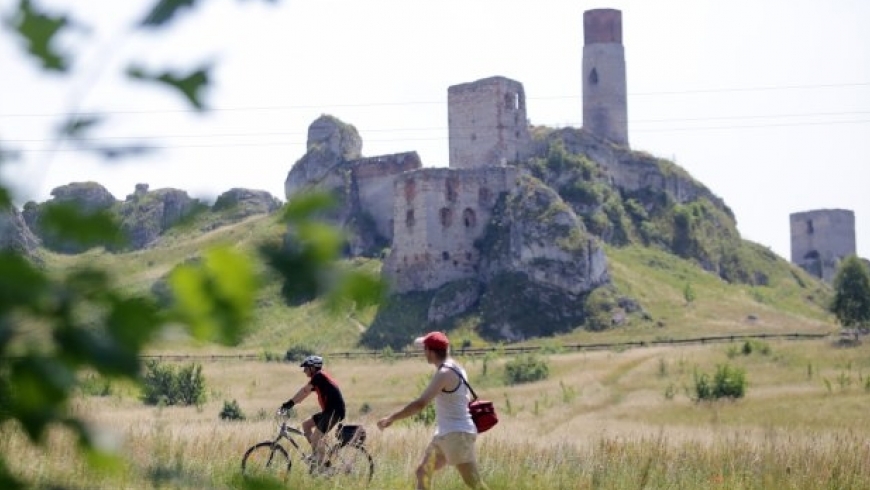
409, 218
484, 196
446, 217
410, 189
512, 101
593, 77
469, 218
445, 256
810, 229
452, 189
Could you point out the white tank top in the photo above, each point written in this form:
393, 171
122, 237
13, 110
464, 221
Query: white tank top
451, 407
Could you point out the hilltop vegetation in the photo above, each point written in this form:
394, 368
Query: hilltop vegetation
790, 301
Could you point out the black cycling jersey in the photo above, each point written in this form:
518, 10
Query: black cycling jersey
328, 394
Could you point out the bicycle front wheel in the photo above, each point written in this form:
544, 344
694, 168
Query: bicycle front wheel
266, 460
351, 463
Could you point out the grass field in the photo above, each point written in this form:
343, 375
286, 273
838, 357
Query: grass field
609, 420
620, 419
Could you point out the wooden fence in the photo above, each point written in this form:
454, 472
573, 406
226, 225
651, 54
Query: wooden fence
508, 350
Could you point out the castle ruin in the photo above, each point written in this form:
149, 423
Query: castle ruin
431, 217
605, 109
820, 239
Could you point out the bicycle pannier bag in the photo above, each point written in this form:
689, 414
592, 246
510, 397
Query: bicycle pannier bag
354, 435
483, 414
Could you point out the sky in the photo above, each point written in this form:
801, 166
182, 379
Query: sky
766, 102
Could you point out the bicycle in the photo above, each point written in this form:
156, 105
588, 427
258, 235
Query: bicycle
347, 458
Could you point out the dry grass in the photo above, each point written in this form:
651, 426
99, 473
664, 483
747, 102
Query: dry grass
601, 420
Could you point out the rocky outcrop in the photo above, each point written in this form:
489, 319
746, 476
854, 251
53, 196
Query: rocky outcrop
87, 197
145, 215
362, 187
330, 142
240, 203
628, 170
14, 233
537, 252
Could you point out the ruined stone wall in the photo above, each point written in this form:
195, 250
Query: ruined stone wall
373, 185
487, 123
439, 213
605, 109
821, 238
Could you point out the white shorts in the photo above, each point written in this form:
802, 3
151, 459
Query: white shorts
456, 447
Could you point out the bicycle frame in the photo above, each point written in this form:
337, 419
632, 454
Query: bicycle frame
352, 458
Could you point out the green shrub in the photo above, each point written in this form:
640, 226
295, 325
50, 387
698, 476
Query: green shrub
95, 385
728, 382
298, 353
526, 369
758, 346
163, 384
231, 411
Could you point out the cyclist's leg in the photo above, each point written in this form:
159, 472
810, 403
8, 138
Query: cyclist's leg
308, 425
314, 435
323, 423
433, 460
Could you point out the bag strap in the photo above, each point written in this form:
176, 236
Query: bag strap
459, 373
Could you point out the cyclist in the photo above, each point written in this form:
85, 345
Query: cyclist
330, 399
453, 443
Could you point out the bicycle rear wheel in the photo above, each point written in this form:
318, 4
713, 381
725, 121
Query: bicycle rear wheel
351, 463
266, 460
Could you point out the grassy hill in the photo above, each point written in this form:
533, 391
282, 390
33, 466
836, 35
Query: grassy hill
679, 299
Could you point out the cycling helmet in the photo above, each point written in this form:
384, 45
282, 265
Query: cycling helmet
312, 361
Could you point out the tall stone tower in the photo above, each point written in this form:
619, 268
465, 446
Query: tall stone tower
605, 112
820, 239
487, 121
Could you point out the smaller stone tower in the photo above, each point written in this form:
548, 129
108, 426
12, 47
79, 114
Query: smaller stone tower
605, 112
820, 239
487, 121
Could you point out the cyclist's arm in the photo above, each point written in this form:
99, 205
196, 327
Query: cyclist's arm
301, 395
438, 383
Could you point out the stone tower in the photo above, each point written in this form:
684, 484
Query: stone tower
605, 112
487, 121
820, 239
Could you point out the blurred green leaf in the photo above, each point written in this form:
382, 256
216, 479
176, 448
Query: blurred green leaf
164, 11
5, 200
132, 322
215, 297
7, 481
76, 126
122, 151
190, 85
356, 290
38, 30
85, 229
39, 388
21, 283
306, 205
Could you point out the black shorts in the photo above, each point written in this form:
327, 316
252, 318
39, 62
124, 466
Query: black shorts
327, 419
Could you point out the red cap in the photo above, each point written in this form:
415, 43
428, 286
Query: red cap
433, 340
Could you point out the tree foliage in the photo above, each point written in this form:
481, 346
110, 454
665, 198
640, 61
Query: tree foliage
82, 322
851, 303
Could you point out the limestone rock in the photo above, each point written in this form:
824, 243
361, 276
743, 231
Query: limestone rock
241, 203
330, 142
538, 253
87, 197
145, 215
15, 234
